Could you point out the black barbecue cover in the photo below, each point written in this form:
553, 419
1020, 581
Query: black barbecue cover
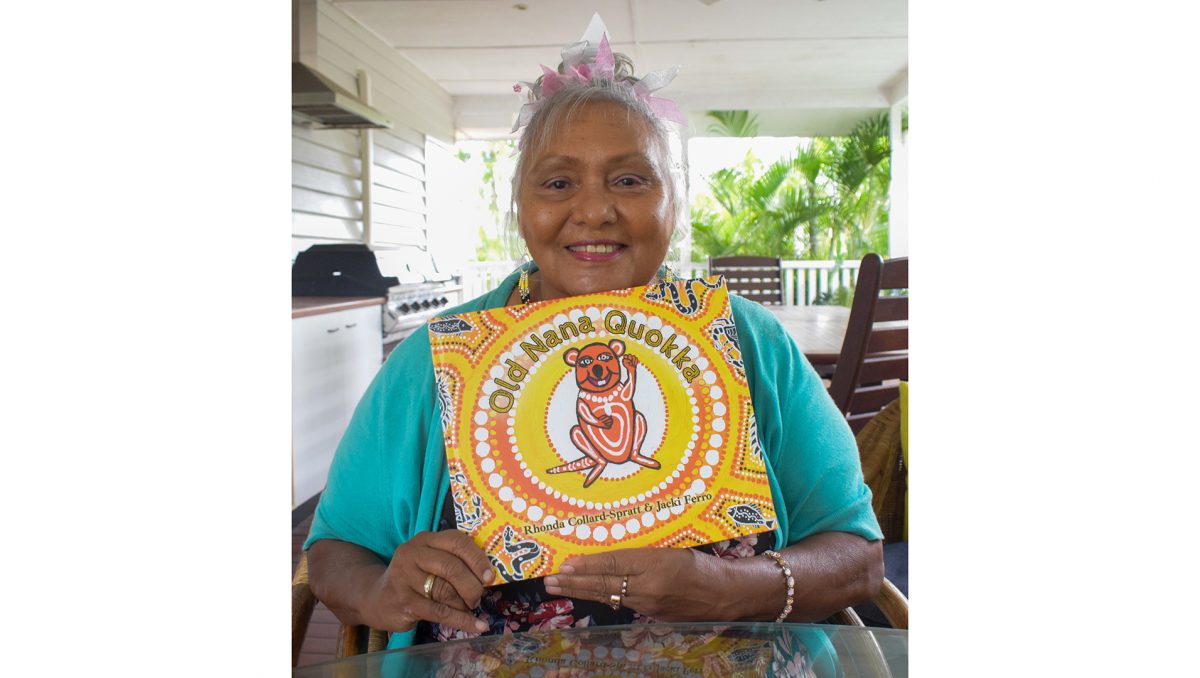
339, 271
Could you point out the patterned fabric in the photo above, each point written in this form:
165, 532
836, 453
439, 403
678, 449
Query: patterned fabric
525, 605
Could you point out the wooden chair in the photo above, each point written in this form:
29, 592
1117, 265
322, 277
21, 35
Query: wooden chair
352, 640
756, 278
874, 356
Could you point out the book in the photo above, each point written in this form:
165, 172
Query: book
613, 420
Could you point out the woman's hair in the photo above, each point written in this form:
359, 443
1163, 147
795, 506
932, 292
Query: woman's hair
557, 110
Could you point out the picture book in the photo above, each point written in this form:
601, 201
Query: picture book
612, 420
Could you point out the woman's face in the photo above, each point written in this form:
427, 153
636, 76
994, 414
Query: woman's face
594, 207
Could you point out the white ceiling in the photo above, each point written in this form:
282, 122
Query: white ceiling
804, 66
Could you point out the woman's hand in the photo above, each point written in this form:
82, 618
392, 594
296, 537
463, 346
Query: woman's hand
667, 584
363, 591
831, 570
461, 568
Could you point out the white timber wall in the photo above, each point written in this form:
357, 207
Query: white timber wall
327, 186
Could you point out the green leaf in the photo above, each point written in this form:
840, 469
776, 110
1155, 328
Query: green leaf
733, 123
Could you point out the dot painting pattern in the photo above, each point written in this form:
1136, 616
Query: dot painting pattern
598, 421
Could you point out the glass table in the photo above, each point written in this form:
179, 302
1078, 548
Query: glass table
652, 650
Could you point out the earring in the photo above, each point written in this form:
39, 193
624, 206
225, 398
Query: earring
665, 274
523, 284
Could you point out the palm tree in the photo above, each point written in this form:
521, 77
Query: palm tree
733, 123
753, 212
830, 198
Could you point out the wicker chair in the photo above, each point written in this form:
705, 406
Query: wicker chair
352, 640
883, 471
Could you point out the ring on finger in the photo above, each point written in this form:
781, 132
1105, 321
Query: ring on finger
625, 586
614, 601
429, 586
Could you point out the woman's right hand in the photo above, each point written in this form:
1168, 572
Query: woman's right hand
360, 588
397, 599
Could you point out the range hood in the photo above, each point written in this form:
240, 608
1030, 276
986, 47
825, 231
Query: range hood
319, 101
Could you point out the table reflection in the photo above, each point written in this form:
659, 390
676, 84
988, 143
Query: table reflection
651, 650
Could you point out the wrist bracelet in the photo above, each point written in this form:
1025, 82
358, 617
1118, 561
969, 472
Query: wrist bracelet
791, 583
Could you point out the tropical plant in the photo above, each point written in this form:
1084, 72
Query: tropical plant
491, 244
827, 201
752, 210
839, 296
733, 123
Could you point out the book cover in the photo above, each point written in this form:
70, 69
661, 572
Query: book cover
613, 420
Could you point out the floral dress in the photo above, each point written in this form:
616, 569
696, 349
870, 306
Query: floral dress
525, 605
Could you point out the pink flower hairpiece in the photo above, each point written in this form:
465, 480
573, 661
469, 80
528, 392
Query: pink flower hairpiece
602, 66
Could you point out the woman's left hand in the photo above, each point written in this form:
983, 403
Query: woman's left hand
665, 583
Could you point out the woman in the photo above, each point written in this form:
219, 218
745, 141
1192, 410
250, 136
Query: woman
596, 206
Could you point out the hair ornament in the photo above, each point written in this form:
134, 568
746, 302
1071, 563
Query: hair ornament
591, 60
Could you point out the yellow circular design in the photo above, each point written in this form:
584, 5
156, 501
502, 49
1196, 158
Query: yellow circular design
540, 449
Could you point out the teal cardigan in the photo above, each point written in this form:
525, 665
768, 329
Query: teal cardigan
389, 480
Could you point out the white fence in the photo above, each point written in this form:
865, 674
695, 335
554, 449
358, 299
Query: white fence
803, 281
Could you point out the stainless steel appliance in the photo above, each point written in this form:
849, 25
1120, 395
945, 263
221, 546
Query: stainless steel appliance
415, 290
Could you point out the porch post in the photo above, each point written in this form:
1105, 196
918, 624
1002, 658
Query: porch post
897, 96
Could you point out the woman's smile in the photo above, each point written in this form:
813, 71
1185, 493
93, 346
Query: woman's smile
596, 250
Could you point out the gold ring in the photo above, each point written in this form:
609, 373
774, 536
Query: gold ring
625, 586
429, 586
614, 601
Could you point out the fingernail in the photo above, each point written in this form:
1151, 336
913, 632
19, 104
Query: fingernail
551, 581
567, 569
553, 590
481, 625
488, 576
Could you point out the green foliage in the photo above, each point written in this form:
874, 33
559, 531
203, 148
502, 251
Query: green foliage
492, 245
753, 210
841, 296
827, 201
733, 123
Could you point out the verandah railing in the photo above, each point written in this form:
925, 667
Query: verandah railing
803, 281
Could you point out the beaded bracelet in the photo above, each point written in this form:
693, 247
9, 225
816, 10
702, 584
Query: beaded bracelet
791, 584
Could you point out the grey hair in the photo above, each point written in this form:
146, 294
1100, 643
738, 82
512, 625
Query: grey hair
557, 111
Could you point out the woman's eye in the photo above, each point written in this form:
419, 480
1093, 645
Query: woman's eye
629, 182
558, 184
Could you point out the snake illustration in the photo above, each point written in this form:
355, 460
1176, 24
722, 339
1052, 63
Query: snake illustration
660, 292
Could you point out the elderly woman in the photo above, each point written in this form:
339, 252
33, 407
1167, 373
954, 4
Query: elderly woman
596, 205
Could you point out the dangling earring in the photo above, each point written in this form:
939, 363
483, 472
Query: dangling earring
523, 284
665, 274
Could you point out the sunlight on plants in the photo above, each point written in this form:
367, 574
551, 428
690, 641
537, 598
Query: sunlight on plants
827, 200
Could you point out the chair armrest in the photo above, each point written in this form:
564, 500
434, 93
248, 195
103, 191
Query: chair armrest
303, 602
847, 617
892, 603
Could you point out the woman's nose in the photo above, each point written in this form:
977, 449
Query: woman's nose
594, 206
